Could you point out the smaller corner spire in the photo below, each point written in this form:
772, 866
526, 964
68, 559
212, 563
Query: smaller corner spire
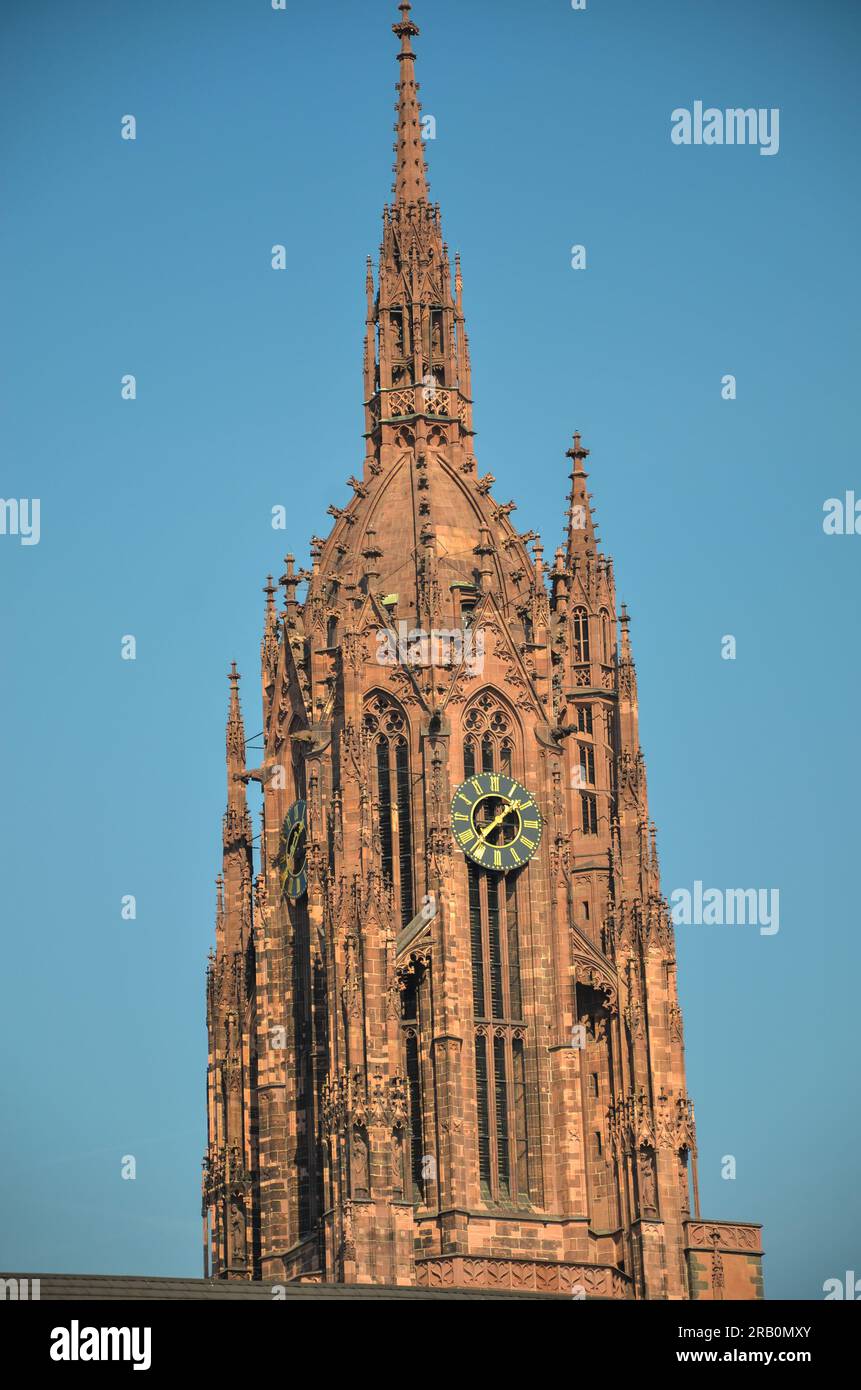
235, 725
581, 540
290, 582
625, 655
270, 591
369, 288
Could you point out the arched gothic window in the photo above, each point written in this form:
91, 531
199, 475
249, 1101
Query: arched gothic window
488, 744
500, 1033
580, 621
420, 1166
387, 726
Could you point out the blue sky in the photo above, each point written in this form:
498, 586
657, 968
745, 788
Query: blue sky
152, 257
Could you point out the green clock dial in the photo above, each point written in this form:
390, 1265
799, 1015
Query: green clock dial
292, 859
496, 821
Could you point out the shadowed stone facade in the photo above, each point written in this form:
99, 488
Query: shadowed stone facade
424, 1071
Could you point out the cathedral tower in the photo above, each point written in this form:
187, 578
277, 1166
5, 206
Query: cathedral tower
444, 1032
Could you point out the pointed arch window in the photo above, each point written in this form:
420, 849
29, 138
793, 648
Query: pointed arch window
488, 744
497, 997
580, 623
500, 1083
421, 1167
586, 770
387, 726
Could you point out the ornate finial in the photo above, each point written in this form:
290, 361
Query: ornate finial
371, 554
625, 657
538, 555
270, 591
577, 452
369, 288
406, 28
234, 677
485, 550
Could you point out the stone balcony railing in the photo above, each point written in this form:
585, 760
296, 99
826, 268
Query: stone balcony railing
402, 402
594, 676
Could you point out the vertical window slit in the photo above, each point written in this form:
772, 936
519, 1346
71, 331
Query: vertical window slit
500, 1082
476, 942
385, 794
404, 830
483, 1115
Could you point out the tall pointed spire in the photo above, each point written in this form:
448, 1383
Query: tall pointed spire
410, 168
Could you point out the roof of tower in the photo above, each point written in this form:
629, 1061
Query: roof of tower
419, 503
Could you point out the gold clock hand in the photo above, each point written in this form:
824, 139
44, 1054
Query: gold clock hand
510, 806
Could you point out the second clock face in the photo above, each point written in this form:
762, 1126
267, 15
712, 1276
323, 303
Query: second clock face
294, 869
496, 821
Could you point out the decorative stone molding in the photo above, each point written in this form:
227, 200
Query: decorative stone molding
469, 1271
728, 1236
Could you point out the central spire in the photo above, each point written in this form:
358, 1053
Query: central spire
410, 168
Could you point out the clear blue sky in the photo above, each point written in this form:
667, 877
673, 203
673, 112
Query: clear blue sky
152, 258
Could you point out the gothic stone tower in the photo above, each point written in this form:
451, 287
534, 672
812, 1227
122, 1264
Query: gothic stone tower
445, 1046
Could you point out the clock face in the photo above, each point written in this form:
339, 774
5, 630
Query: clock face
496, 821
292, 855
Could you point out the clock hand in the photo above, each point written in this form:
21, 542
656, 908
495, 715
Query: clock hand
510, 806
